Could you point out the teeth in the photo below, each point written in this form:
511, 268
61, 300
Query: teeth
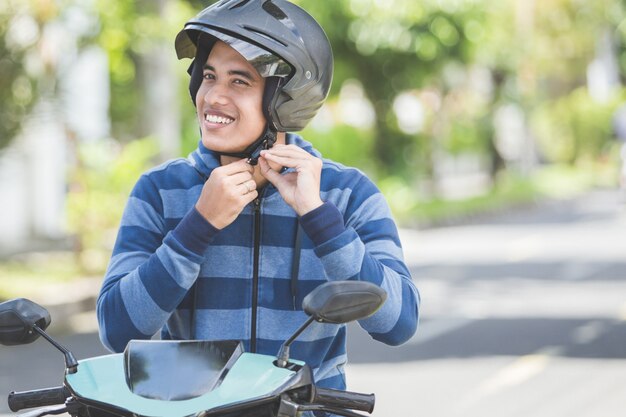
211, 118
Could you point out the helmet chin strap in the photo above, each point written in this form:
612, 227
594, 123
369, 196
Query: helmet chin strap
253, 152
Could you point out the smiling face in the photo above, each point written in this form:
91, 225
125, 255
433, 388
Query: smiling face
229, 101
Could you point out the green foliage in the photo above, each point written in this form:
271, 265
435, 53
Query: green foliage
574, 127
19, 33
36, 274
401, 197
116, 37
468, 135
534, 54
345, 144
509, 192
131, 32
390, 47
100, 186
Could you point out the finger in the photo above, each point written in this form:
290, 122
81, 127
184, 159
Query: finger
239, 178
286, 148
267, 171
288, 161
238, 166
288, 151
248, 186
249, 197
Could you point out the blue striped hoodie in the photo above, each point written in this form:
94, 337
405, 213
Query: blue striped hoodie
168, 259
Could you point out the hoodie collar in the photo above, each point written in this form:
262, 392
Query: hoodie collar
297, 140
205, 160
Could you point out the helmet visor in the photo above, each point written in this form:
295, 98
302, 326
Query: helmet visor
266, 63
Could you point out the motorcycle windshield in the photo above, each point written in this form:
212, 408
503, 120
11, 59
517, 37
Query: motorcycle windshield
174, 371
245, 381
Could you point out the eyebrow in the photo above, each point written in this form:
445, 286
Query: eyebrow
242, 73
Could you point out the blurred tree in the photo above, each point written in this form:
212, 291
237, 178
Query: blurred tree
146, 79
533, 52
574, 128
119, 38
540, 55
391, 47
462, 61
21, 24
100, 184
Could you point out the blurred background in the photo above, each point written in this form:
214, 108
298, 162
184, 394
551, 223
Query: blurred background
494, 129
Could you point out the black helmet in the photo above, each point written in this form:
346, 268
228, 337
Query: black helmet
281, 40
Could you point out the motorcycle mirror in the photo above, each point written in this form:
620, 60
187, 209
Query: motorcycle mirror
336, 302
343, 301
23, 321
18, 318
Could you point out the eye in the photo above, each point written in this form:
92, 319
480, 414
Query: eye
240, 81
208, 76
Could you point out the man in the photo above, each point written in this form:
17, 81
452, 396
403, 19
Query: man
226, 244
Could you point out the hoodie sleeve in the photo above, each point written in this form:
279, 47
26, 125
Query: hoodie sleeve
150, 271
363, 244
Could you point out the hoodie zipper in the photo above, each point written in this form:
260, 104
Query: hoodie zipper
255, 271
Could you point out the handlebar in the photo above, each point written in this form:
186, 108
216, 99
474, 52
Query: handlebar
37, 398
344, 399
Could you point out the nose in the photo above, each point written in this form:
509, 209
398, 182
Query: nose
217, 93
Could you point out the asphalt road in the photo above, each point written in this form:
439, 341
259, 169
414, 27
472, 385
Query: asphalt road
523, 314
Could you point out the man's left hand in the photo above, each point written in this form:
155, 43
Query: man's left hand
300, 188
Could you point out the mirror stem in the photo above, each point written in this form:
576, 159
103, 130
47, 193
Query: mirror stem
71, 364
283, 353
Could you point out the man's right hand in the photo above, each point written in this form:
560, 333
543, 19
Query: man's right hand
227, 191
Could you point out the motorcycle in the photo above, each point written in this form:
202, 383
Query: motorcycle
157, 378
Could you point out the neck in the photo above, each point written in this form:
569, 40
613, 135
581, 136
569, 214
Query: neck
260, 180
